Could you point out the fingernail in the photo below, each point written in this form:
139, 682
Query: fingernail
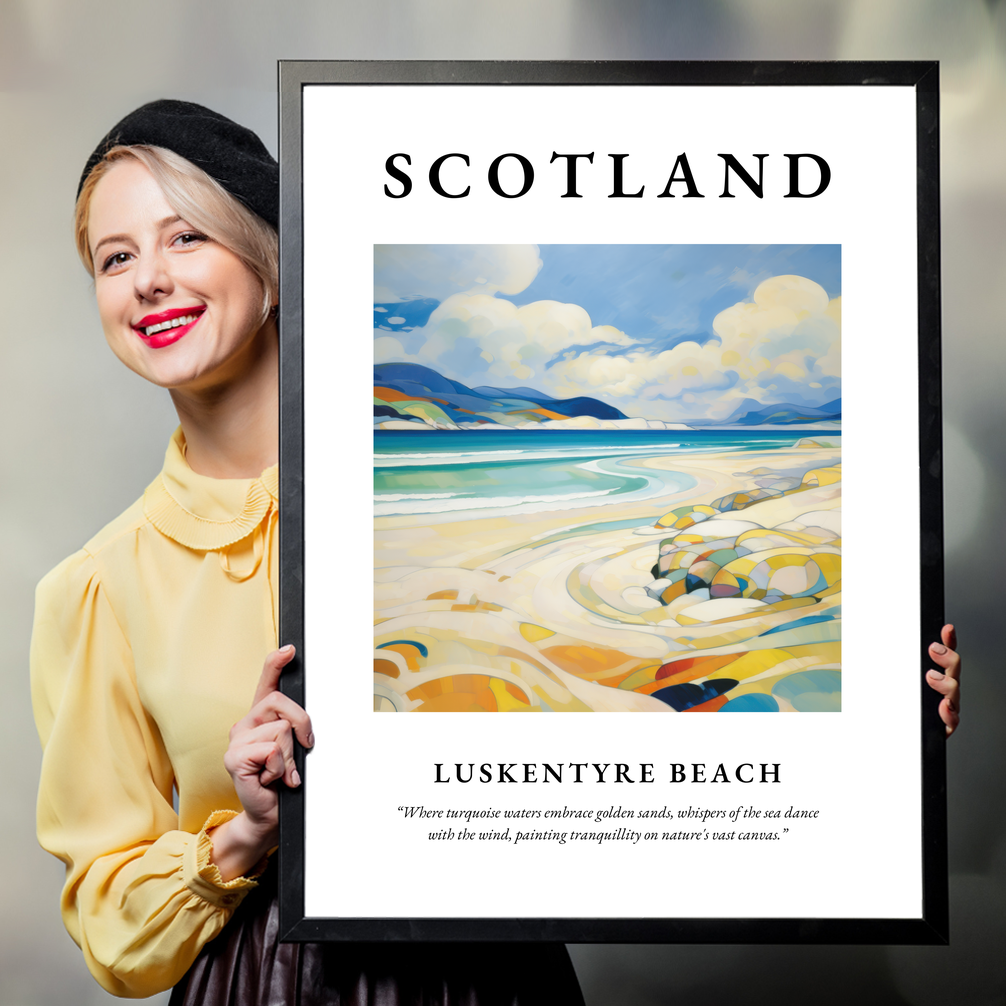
938, 648
936, 675
310, 740
287, 649
295, 777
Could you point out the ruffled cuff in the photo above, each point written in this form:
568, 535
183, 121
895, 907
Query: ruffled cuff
203, 878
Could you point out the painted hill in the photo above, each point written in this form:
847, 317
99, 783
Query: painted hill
752, 413
407, 393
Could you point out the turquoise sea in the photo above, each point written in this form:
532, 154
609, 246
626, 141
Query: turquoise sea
439, 471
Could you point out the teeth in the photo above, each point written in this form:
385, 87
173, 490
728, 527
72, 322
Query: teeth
174, 323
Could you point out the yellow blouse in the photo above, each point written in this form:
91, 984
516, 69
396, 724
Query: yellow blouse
147, 647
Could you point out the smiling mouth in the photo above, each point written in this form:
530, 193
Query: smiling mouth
166, 322
185, 319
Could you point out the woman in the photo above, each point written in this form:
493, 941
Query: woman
148, 643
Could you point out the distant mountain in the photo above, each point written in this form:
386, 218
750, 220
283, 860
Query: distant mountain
529, 393
752, 413
418, 395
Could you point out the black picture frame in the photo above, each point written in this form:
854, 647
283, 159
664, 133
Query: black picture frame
932, 925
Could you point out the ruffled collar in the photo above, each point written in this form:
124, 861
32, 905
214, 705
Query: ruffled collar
203, 513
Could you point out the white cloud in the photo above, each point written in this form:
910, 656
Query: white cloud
386, 348
407, 272
514, 343
791, 329
777, 347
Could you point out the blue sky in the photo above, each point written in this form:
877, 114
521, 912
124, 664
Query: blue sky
663, 293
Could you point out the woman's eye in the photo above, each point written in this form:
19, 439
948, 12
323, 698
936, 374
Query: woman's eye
114, 261
190, 238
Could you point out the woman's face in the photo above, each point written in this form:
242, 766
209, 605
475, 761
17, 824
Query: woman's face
177, 308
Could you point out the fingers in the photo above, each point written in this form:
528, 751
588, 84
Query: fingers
277, 706
945, 655
271, 759
949, 636
949, 687
262, 761
271, 671
950, 716
265, 751
270, 703
948, 711
947, 680
261, 749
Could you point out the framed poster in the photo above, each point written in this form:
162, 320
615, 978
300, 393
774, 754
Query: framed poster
608, 315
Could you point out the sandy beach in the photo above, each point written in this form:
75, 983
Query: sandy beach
722, 597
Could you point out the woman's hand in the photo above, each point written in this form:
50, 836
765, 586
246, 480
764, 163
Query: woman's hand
260, 753
947, 682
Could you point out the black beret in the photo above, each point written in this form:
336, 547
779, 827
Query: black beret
230, 154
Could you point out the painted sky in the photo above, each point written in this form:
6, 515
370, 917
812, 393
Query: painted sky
671, 332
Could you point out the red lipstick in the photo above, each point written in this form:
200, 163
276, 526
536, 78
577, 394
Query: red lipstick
165, 324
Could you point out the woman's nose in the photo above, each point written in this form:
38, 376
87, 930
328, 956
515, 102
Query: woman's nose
152, 277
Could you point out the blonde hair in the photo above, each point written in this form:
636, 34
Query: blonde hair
199, 200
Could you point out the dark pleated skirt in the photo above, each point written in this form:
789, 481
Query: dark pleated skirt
246, 965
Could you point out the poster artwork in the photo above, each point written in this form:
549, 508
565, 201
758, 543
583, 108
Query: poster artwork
607, 478
608, 460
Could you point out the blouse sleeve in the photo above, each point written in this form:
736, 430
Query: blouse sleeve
141, 898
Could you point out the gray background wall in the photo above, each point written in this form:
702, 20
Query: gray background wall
82, 436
